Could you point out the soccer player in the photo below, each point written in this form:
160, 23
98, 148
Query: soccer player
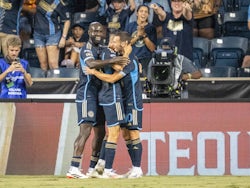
110, 97
132, 96
87, 100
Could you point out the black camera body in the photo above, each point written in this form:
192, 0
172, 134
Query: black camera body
161, 74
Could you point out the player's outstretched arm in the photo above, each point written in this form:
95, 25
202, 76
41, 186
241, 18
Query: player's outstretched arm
101, 63
110, 78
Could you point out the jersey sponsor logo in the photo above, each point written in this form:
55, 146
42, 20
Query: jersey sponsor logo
14, 91
5, 5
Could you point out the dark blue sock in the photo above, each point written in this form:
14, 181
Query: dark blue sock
130, 152
137, 152
75, 161
110, 149
102, 152
93, 161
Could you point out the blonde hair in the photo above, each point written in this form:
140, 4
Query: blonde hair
14, 41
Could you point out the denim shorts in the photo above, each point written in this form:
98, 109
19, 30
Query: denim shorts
47, 40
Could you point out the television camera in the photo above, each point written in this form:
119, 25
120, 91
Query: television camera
162, 77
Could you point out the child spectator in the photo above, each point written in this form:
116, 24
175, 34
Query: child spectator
73, 46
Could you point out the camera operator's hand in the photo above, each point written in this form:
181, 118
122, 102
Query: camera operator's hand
186, 76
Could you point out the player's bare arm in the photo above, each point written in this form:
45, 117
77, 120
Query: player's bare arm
110, 78
101, 63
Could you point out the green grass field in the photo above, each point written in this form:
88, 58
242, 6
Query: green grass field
145, 182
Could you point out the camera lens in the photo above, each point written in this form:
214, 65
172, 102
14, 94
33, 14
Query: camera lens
161, 73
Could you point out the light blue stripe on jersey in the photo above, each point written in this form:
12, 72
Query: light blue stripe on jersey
134, 77
52, 29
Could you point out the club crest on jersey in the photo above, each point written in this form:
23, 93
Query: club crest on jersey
90, 113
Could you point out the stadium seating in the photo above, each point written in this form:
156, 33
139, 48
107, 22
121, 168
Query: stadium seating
30, 55
200, 51
37, 72
228, 51
85, 18
231, 5
225, 71
244, 5
235, 24
63, 73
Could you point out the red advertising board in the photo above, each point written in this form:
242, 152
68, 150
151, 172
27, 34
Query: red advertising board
179, 138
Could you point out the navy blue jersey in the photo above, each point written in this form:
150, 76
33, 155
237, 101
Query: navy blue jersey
89, 85
13, 86
140, 49
110, 96
117, 21
181, 32
110, 92
132, 96
9, 16
50, 15
131, 86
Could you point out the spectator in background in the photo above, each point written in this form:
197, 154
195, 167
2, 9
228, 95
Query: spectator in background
248, 19
49, 36
29, 6
14, 72
153, 18
26, 22
178, 25
144, 37
163, 3
25, 32
205, 12
9, 21
118, 14
73, 46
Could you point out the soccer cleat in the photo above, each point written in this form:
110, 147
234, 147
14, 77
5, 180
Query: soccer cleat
110, 175
74, 172
99, 167
92, 173
136, 172
128, 173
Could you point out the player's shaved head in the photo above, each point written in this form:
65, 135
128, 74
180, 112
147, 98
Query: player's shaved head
96, 26
96, 32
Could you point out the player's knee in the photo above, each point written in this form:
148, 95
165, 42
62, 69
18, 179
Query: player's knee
134, 134
113, 134
125, 134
